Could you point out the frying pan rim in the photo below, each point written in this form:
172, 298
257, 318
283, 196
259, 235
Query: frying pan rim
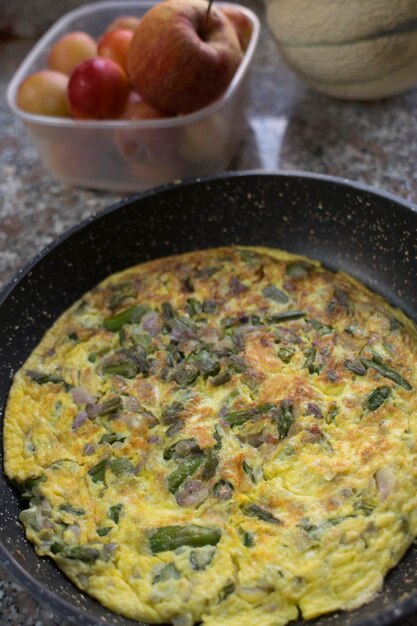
337, 180
391, 616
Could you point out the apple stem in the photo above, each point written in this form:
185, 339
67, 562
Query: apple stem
210, 2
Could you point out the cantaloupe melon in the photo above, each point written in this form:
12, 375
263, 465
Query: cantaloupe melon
353, 49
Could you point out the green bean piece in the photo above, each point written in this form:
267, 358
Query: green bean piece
387, 372
167, 311
184, 470
185, 374
207, 364
285, 418
80, 553
322, 329
210, 467
355, 367
248, 538
42, 379
217, 436
102, 532
120, 466
182, 449
132, 315
248, 257
207, 272
112, 438
377, 398
126, 368
332, 413
309, 363
395, 324
92, 357
86, 554
171, 412
173, 537
194, 306
237, 418
114, 512
168, 572
286, 354
67, 508
111, 406
249, 471
221, 378
98, 472
273, 293
285, 316
227, 591
253, 510
29, 487
175, 428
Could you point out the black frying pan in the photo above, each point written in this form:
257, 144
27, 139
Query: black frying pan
370, 235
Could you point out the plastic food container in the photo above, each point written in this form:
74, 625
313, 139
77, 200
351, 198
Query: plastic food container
136, 154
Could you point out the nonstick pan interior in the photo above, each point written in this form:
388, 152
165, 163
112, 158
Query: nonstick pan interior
345, 226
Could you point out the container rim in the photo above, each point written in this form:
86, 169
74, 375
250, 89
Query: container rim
170, 122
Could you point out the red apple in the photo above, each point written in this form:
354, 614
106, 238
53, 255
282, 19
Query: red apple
182, 58
242, 24
70, 50
98, 89
114, 44
127, 22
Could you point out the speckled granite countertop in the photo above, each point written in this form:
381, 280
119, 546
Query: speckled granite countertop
291, 127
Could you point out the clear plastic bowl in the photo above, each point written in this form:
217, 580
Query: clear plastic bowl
134, 155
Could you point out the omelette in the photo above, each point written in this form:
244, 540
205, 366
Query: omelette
226, 436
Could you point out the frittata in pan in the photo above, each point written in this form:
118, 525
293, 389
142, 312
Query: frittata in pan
226, 436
